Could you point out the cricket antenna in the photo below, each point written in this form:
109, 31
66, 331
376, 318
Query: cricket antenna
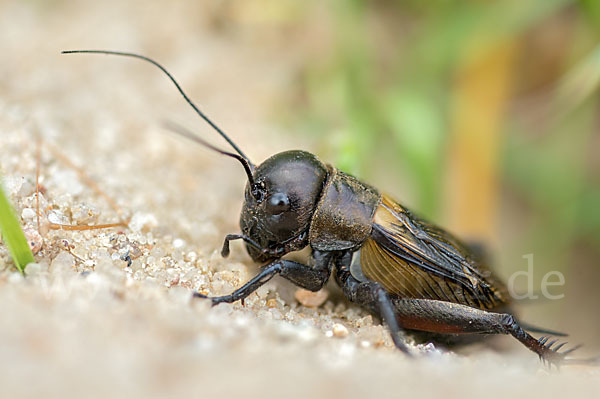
189, 101
182, 131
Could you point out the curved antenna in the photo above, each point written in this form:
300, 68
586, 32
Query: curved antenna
189, 101
182, 131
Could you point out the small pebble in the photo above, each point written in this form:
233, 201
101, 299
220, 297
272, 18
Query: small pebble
27, 188
340, 331
272, 303
190, 256
311, 299
57, 218
34, 239
28, 214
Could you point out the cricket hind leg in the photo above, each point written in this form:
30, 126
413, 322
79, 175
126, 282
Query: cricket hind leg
457, 340
450, 318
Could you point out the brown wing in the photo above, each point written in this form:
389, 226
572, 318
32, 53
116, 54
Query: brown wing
414, 259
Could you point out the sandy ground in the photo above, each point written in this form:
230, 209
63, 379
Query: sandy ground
82, 322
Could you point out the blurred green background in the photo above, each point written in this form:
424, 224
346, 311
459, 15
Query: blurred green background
482, 116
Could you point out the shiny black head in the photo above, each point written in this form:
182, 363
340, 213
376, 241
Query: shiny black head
277, 211
281, 194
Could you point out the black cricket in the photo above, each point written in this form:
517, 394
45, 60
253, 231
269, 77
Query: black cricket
408, 272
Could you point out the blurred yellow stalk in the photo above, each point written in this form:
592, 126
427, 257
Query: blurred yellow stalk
482, 89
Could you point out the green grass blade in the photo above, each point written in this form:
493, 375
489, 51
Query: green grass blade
13, 235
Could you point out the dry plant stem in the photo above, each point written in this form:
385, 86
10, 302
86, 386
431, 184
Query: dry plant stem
86, 179
56, 226
38, 156
77, 257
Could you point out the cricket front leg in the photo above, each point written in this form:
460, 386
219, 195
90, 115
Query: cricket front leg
311, 277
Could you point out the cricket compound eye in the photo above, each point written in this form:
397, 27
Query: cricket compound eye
278, 203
